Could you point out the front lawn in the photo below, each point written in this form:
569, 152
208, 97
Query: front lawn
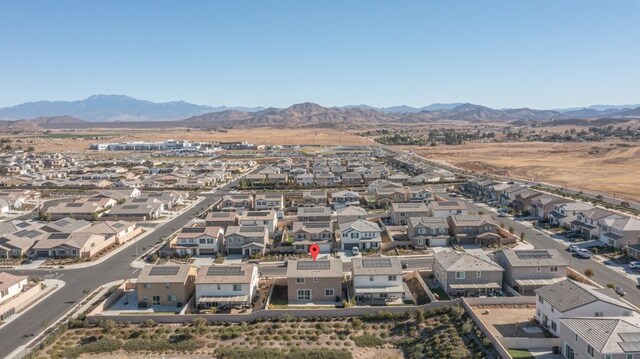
520, 354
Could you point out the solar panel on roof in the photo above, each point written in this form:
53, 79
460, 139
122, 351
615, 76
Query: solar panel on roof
128, 206
59, 236
533, 254
376, 263
225, 271
317, 265
164, 271
193, 229
630, 346
62, 222
23, 225
630, 337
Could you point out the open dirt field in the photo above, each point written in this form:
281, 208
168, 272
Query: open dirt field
260, 136
611, 168
509, 320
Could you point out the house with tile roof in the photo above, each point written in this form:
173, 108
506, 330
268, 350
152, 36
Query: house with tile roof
607, 338
463, 274
528, 270
571, 299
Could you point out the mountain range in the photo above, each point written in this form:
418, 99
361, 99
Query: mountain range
118, 110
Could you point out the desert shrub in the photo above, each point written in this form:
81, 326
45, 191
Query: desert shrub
99, 346
367, 340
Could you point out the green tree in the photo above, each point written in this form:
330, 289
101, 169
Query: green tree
589, 273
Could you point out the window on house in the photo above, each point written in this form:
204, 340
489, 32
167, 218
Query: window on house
553, 325
576, 337
203, 240
539, 269
589, 350
218, 287
171, 298
299, 280
478, 274
209, 240
459, 275
237, 287
304, 294
629, 356
167, 285
626, 313
147, 286
329, 292
315, 280
392, 278
598, 314
553, 269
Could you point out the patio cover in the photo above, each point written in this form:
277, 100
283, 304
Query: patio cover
369, 290
541, 282
493, 285
224, 299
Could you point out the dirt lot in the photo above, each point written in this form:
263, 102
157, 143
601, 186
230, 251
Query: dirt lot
509, 320
605, 167
66, 141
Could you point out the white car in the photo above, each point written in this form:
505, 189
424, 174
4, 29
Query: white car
355, 251
584, 253
634, 265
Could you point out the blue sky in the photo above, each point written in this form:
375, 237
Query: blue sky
538, 54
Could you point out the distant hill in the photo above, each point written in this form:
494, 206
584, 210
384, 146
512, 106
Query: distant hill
57, 120
109, 108
630, 113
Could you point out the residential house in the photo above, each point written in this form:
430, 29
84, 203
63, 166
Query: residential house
620, 232
351, 179
524, 200
314, 214
527, 270
386, 196
236, 202
474, 230
608, 338
87, 210
305, 180
167, 285
420, 195
428, 231
71, 245
306, 234
314, 198
544, 204
116, 231
10, 286
221, 219
565, 213
401, 212
226, 285
444, 209
588, 222
376, 279
318, 281
362, 234
344, 198
146, 210
465, 273
259, 218
269, 201
571, 299
195, 241
246, 240
350, 214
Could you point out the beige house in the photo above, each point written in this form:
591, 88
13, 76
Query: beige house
401, 212
317, 281
464, 274
474, 229
169, 285
221, 219
246, 240
528, 270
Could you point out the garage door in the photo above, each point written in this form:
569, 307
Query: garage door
234, 250
40, 254
437, 242
348, 246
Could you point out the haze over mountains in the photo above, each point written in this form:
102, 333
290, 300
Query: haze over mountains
110, 110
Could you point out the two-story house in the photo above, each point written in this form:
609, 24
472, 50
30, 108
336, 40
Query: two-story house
571, 299
221, 219
168, 285
226, 285
344, 198
314, 198
314, 214
377, 279
544, 204
306, 234
528, 270
10, 286
462, 274
361, 233
444, 209
620, 232
420, 195
428, 231
236, 202
246, 240
195, 241
350, 214
588, 222
565, 213
401, 212
317, 282
269, 201
607, 338
259, 218
474, 229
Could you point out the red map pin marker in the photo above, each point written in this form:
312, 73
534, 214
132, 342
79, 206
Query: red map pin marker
314, 249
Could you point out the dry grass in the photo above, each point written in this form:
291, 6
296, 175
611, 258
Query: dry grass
260, 136
611, 167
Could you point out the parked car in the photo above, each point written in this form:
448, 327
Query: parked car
634, 265
573, 248
584, 253
502, 214
355, 251
620, 291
